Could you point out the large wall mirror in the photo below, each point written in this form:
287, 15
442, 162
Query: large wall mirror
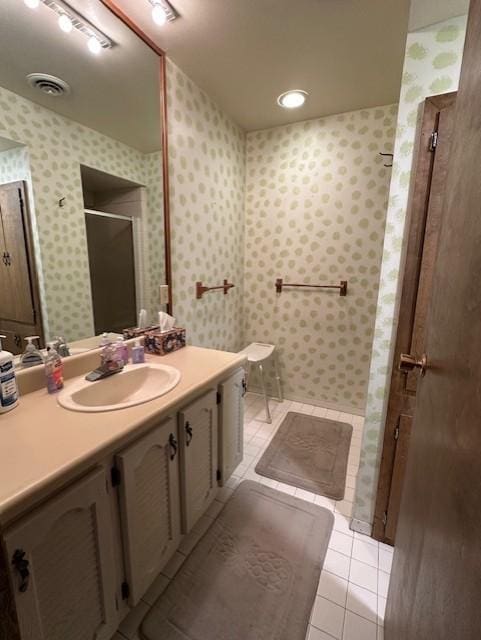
82, 233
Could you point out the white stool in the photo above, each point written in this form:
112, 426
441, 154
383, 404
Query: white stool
257, 353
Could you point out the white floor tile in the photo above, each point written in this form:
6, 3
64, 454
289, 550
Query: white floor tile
365, 552
362, 602
357, 628
363, 575
381, 609
322, 501
337, 563
328, 617
341, 523
305, 495
385, 560
333, 588
341, 542
383, 581
316, 634
367, 539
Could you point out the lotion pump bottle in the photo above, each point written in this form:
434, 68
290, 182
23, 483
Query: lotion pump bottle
138, 353
8, 382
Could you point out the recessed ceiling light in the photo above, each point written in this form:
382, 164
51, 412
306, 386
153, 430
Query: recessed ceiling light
65, 23
32, 4
292, 99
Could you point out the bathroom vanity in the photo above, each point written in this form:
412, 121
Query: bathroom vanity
94, 505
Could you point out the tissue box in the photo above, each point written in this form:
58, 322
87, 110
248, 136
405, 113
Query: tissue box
136, 332
163, 343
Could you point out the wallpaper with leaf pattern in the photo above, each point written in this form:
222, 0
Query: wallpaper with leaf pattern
56, 148
432, 66
315, 213
207, 173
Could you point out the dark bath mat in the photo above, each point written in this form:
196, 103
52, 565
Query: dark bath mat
310, 453
253, 576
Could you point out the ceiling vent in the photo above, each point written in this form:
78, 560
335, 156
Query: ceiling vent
51, 85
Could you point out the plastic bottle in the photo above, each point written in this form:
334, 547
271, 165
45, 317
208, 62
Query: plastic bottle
8, 382
122, 350
138, 353
32, 355
53, 369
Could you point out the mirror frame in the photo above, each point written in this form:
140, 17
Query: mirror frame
123, 17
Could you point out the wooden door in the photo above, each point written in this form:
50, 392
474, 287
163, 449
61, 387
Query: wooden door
435, 588
231, 424
19, 294
425, 214
69, 591
150, 505
198, 437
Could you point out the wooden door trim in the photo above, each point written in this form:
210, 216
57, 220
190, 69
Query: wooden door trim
416, 219
32, 267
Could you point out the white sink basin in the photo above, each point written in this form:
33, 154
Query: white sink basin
137, 383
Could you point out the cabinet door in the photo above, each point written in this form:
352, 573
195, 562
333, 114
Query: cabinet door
198, 435
150, 505
68, 588
16, 301
231, 424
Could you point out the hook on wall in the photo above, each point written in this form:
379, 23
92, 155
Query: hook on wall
388, 155
61, 202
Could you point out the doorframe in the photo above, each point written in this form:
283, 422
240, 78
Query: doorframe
423, 165
10, 325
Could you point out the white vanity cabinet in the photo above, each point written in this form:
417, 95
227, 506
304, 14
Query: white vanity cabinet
231, 424
148, 477
62, 565
198, 437
80, 559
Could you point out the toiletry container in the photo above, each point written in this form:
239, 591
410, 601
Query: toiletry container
138, 353
8, 382
53, 369
122, 350
32, 356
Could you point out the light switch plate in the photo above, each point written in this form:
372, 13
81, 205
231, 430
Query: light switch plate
164, 293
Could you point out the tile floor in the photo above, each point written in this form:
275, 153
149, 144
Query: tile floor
352, 590
351, 596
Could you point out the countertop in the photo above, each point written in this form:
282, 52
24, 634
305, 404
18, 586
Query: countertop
43, 445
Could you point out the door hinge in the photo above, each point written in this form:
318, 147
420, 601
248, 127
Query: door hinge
219, 397
219, 475
397, 429
115, 476
125, 590
433, 141
384, 518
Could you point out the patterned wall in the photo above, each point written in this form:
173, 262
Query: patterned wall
207, 173
56, 148
432, 66
315, 213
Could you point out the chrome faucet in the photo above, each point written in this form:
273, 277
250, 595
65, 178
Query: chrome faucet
110, 363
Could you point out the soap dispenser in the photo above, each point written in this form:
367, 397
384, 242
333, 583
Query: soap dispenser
8, 382
32, 355
53, 369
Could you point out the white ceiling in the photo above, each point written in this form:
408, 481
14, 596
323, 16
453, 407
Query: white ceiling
116, 92
348, 54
